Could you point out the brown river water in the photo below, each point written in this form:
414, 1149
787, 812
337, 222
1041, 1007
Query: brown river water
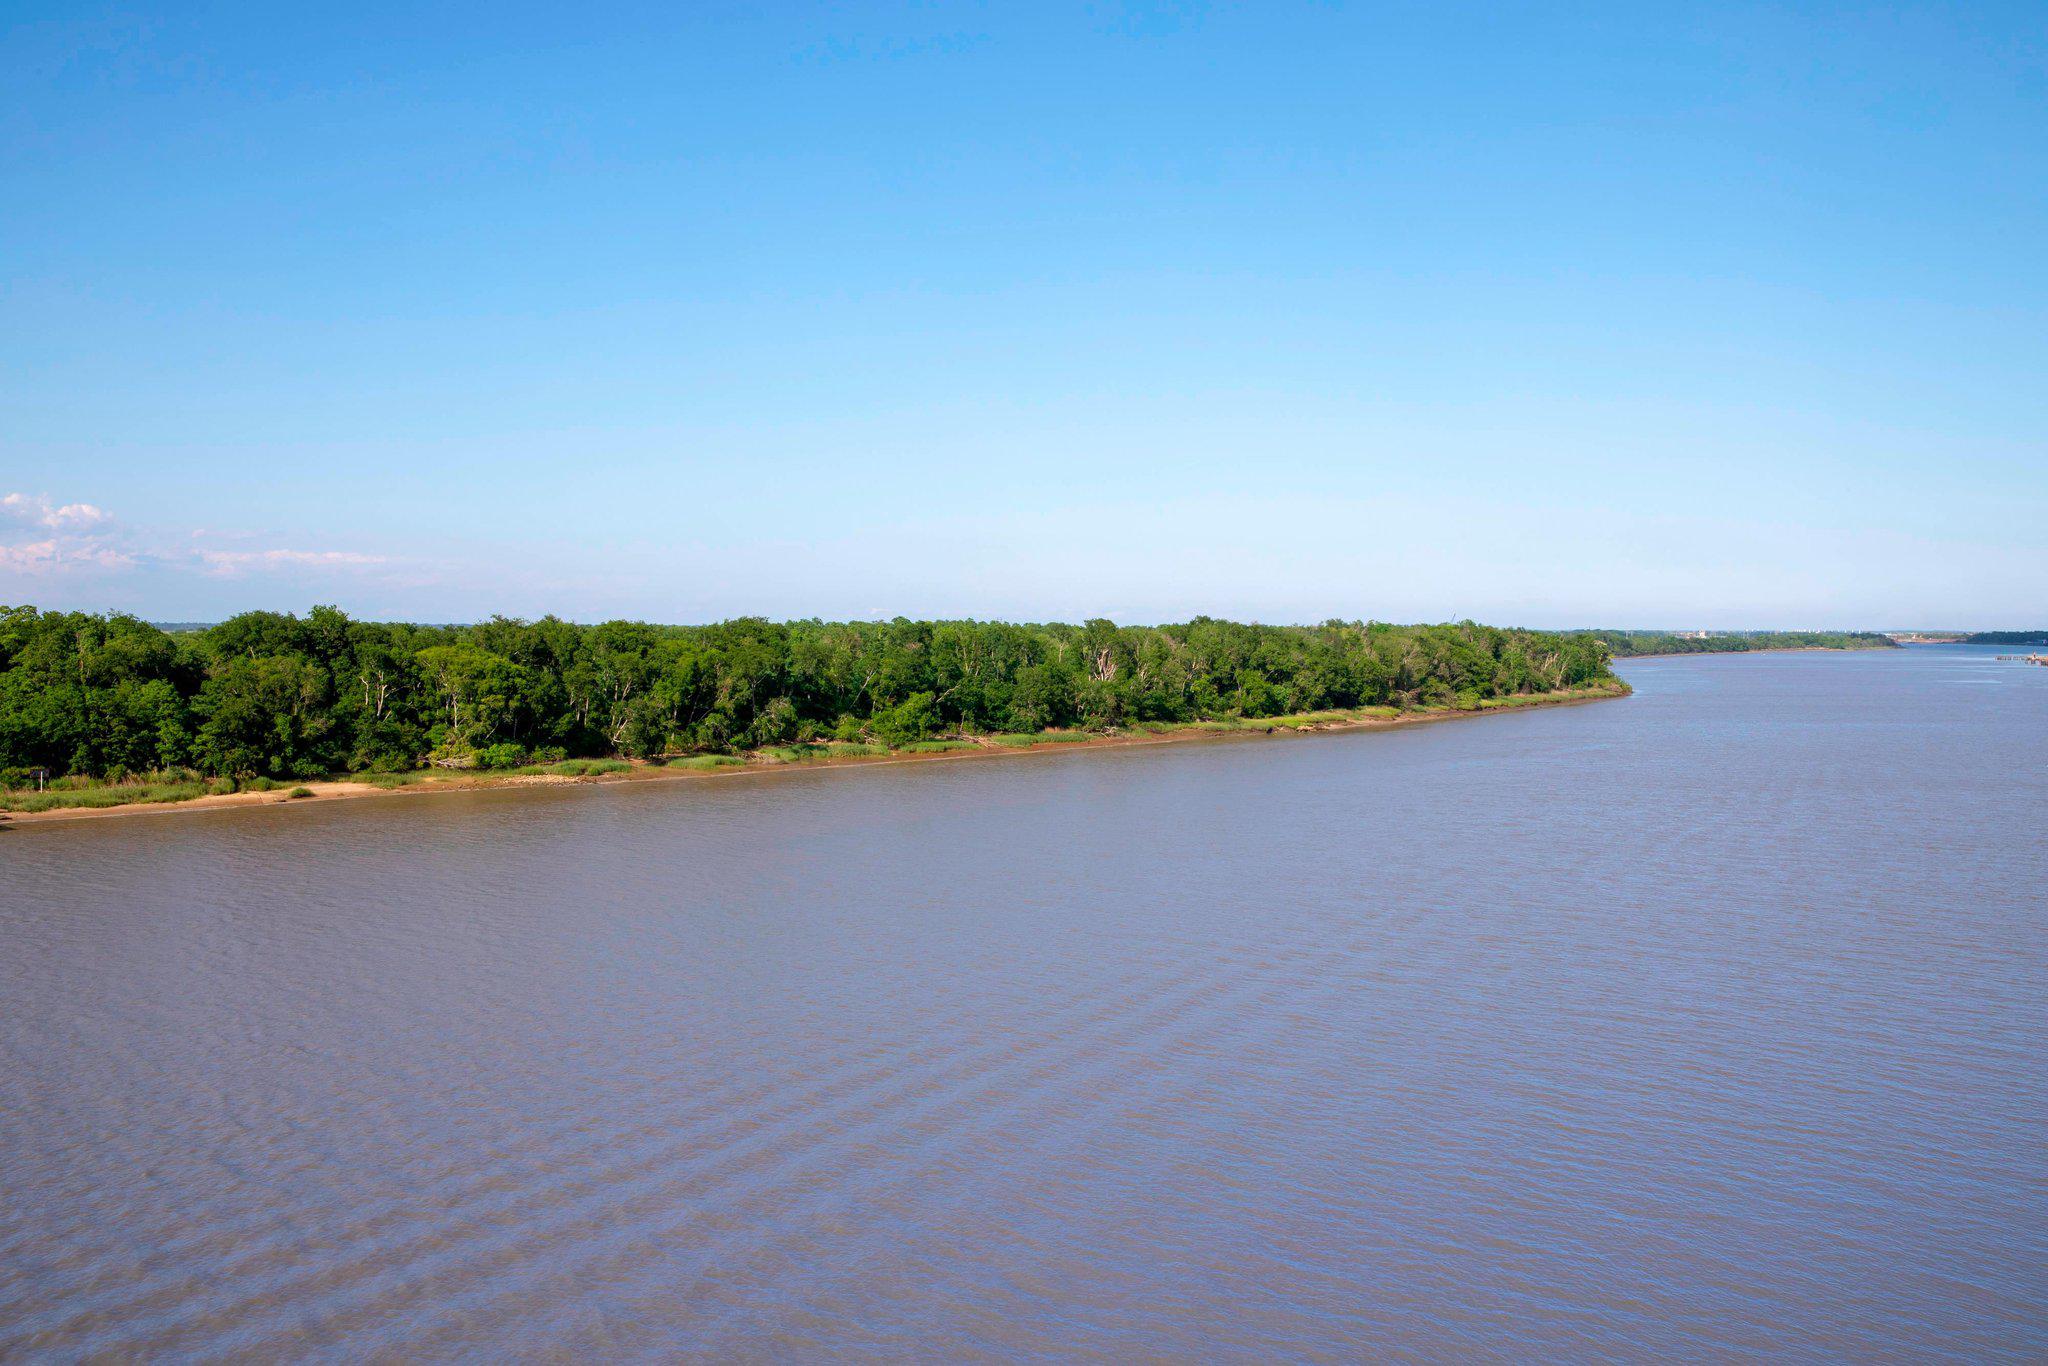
1704, 1023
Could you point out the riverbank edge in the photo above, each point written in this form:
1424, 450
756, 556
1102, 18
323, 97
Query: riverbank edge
754, 765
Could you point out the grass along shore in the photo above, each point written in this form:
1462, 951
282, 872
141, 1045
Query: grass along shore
74, 798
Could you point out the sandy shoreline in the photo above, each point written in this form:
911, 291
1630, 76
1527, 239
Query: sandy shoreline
324, 790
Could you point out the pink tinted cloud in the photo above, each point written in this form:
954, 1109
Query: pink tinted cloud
42, 538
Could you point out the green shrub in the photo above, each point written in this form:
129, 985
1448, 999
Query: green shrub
572, 768
704, 762
805, 754
452, 756
298, 792
1297, 720
914, 719
94, 796
501, 756
1020, 740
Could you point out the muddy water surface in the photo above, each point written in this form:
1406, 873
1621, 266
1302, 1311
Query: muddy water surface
1703, 1022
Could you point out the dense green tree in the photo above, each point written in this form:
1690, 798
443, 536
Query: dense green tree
915, 718
265, 715
268, 693
483, 695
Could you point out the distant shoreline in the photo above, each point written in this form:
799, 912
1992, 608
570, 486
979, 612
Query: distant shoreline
1764, 650
326, 790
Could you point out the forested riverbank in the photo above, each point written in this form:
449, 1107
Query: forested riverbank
268, 697
1636, 644
76, 796
2006, 638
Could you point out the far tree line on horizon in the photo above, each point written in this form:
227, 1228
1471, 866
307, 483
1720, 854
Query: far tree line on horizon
267, 694
1629, 644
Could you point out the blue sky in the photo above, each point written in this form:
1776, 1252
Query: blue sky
1556, 315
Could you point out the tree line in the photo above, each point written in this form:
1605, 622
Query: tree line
1626, 644
278, 695
2006, 638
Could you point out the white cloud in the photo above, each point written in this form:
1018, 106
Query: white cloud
31, 558
67, 536
231, 562
50, 556
38, 510
42, 538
